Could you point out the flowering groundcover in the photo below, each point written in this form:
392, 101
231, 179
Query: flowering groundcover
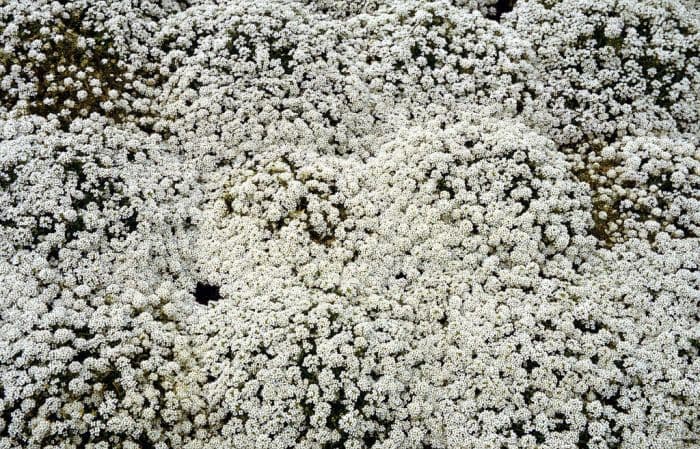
349, 224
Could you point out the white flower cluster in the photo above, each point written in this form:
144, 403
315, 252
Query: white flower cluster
68, 60
645, 185
90, 293
371, 293
349, 224
610, 68
245, 72
345, 8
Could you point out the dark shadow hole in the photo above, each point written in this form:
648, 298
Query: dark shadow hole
205, 292
502, 7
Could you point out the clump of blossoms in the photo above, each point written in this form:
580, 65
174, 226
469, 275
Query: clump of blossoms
347, 8
361, 225
357, 286
67, 60
91, 300
634, 345
283, 71
611, 68
644, 185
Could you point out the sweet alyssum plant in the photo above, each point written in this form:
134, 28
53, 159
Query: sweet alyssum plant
333, 224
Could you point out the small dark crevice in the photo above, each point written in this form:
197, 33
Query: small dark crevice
502, 7
518, 429
321, 238
584, 437
53, 253
206, 292
592, 327
444, 185
131, 222
561, 424
530, 365
539, 436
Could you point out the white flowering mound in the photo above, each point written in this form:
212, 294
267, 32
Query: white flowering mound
614, 67
338, 224
643, 185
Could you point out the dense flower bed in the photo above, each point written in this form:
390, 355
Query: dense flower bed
349, 224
